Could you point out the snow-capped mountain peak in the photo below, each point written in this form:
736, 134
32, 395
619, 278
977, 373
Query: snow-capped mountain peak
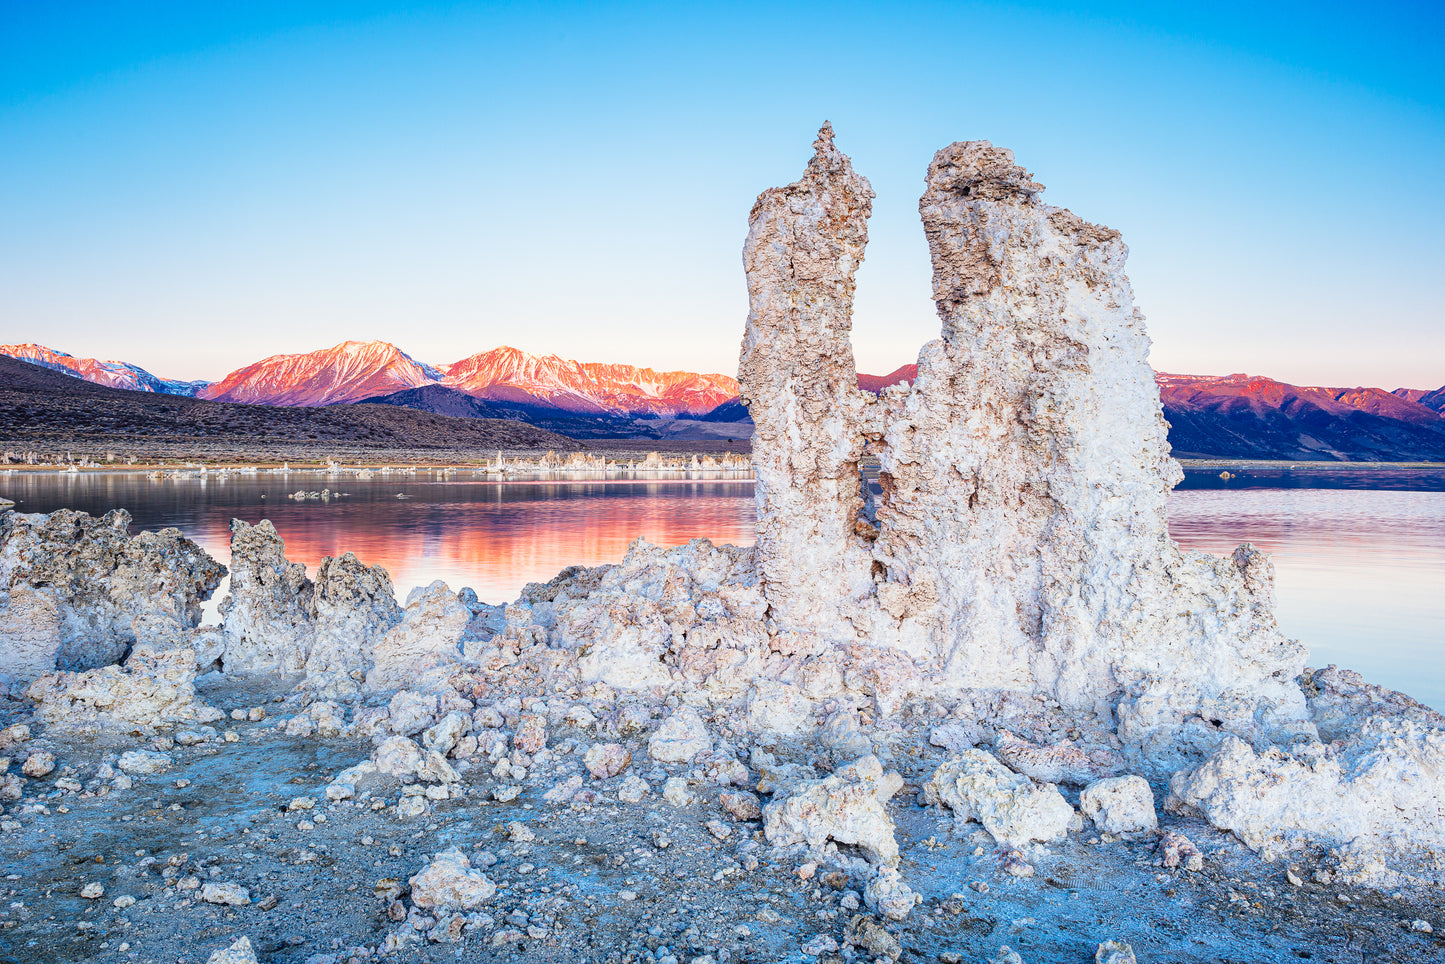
115, 374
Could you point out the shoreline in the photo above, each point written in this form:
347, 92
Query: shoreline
627, 455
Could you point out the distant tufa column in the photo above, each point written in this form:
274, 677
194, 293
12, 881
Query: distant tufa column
805, 242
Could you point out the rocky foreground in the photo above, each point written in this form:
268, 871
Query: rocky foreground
993, 714
464, 787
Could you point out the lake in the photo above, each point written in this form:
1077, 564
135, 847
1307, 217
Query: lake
1359, 555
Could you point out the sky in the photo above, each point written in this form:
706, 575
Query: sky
192, 186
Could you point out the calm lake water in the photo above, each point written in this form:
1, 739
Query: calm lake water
1360, 570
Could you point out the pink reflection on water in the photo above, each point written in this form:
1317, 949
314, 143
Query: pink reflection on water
506, 534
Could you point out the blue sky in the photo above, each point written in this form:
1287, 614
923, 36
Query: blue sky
192, 186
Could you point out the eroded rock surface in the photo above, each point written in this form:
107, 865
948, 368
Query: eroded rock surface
155, 687
339, 630
72, 586
805, 243
848, 806
1378, 796
1020, 538
1010, 806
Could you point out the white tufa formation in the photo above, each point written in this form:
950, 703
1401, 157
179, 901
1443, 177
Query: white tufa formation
72, 587
805, 242
1020, 539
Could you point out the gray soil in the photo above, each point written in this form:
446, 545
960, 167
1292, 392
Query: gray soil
595, 884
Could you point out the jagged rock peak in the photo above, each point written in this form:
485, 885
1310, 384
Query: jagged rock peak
826, 156
977, 169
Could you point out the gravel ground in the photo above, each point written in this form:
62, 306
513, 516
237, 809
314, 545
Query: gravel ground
601, 881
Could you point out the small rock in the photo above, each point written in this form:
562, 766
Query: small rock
1120, 805
742, 806
606, 760
1114, 952
225, 893
449, 883
434, 768
411, 807
531, 735
302, 803
14, 735
336, 792
719, 829
1006, 955
123, 901
240, 952
1176, 850
518, 832
1015, 864
675, 792
92, 891
888, 895
865, 932
38, 764
633, 789
143, 761
682, 738
1422, 926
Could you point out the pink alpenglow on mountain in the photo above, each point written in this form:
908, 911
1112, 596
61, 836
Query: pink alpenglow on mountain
904, 375
348, 372
1256, 393
509, 375
113, 374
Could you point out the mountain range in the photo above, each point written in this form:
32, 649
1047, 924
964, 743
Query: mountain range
1229, 416
49, 411
112, 374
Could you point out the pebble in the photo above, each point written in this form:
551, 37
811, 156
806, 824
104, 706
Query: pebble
225, 893
1015, 864
409, 807
92, 891
1115, 952
742, 806
606, 760
633, 789
38, 764
675, 792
